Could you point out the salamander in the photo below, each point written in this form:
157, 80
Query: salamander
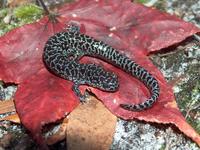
63, 51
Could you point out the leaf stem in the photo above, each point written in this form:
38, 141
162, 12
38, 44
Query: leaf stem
52, 16
44, 7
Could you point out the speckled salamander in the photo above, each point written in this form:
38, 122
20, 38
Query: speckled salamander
63, 50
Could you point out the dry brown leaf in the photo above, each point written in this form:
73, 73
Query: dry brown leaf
59, 135
14, 3
7, 106
90, 126
13, 118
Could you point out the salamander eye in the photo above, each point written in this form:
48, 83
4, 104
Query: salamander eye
73, 27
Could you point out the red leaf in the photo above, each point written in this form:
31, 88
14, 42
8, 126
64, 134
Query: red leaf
132, 28
42, 99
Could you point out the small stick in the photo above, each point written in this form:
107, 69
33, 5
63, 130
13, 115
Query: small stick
44, 7
52, 16
197, 37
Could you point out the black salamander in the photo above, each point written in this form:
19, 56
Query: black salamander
63, 50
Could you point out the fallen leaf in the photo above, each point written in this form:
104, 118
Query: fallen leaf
90, 126
59, 134
7, 106
13, 118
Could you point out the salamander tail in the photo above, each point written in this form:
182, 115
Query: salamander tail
146, 104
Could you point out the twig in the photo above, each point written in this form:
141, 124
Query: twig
179, 48
44, 7
197, 37
190, 109
52, 16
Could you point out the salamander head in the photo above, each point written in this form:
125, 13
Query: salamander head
73, 27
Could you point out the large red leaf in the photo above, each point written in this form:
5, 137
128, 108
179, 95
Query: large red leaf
132, 28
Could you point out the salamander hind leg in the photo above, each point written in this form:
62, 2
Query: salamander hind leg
82, 97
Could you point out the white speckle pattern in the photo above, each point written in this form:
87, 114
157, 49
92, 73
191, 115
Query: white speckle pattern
114, 101
113, 29
110, 35
74, 15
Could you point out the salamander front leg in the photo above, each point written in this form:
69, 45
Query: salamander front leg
82, 97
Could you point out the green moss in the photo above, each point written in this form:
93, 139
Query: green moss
3, 12
188, 100
3, 26
28, 13
163, 147
161, 5
189, 94
69, 1
195, 124
142, 1
194, 112
21, 15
